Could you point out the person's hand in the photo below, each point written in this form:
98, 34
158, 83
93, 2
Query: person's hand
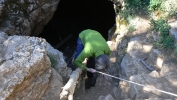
85, 61
91, 70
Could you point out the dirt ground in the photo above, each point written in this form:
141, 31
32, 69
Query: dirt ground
102, 88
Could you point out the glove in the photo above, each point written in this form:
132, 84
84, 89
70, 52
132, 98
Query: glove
91, 70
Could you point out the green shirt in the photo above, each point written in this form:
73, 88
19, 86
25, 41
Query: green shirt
94, 45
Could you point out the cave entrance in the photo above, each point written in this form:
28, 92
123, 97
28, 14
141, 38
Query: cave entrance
74, 16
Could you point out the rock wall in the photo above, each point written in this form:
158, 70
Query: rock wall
137, 72
60, 65
25, 17
128, 49
25, 69
54, 88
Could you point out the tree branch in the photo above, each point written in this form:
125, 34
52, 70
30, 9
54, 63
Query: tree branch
68, 89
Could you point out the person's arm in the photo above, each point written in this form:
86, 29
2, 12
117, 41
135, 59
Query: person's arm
84, 54
78, 61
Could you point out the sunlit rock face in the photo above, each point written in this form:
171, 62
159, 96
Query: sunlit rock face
26, 71
24, 68
163, 76
59, 63
54, 88
23, 17
173, 32
131, 64
165, 81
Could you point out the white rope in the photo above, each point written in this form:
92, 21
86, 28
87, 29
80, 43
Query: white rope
152, 88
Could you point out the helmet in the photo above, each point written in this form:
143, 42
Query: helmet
101, 62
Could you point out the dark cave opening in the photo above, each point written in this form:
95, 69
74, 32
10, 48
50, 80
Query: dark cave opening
74, 16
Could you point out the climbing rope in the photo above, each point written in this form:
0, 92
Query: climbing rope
152, 88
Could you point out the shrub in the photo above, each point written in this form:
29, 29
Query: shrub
166, 40
154, 5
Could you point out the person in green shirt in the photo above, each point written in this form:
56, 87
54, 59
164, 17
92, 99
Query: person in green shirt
92, 45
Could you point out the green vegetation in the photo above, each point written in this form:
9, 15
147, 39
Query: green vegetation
131, 28
52, 60
136, 4
155, 5
159, 10
133, 8
166, 40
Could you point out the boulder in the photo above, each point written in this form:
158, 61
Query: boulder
173, 32
173, 24
150, 81
23, 17
25, 70
54, 88
108, 97
59, 64
131, 64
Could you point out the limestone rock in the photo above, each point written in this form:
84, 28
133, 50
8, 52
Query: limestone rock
112, 45
23, 17
135, 71
54, 88
157, 99
101, 97
25, 71
169, 71
3, 37
111, 33
153, 35
114, 69
108, 97
173, 24
60, 66
173, 32
150, 81
131, 64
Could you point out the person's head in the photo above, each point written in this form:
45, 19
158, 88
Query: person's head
101, 62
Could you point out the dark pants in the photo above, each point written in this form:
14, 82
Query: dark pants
90, 64
91, 76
